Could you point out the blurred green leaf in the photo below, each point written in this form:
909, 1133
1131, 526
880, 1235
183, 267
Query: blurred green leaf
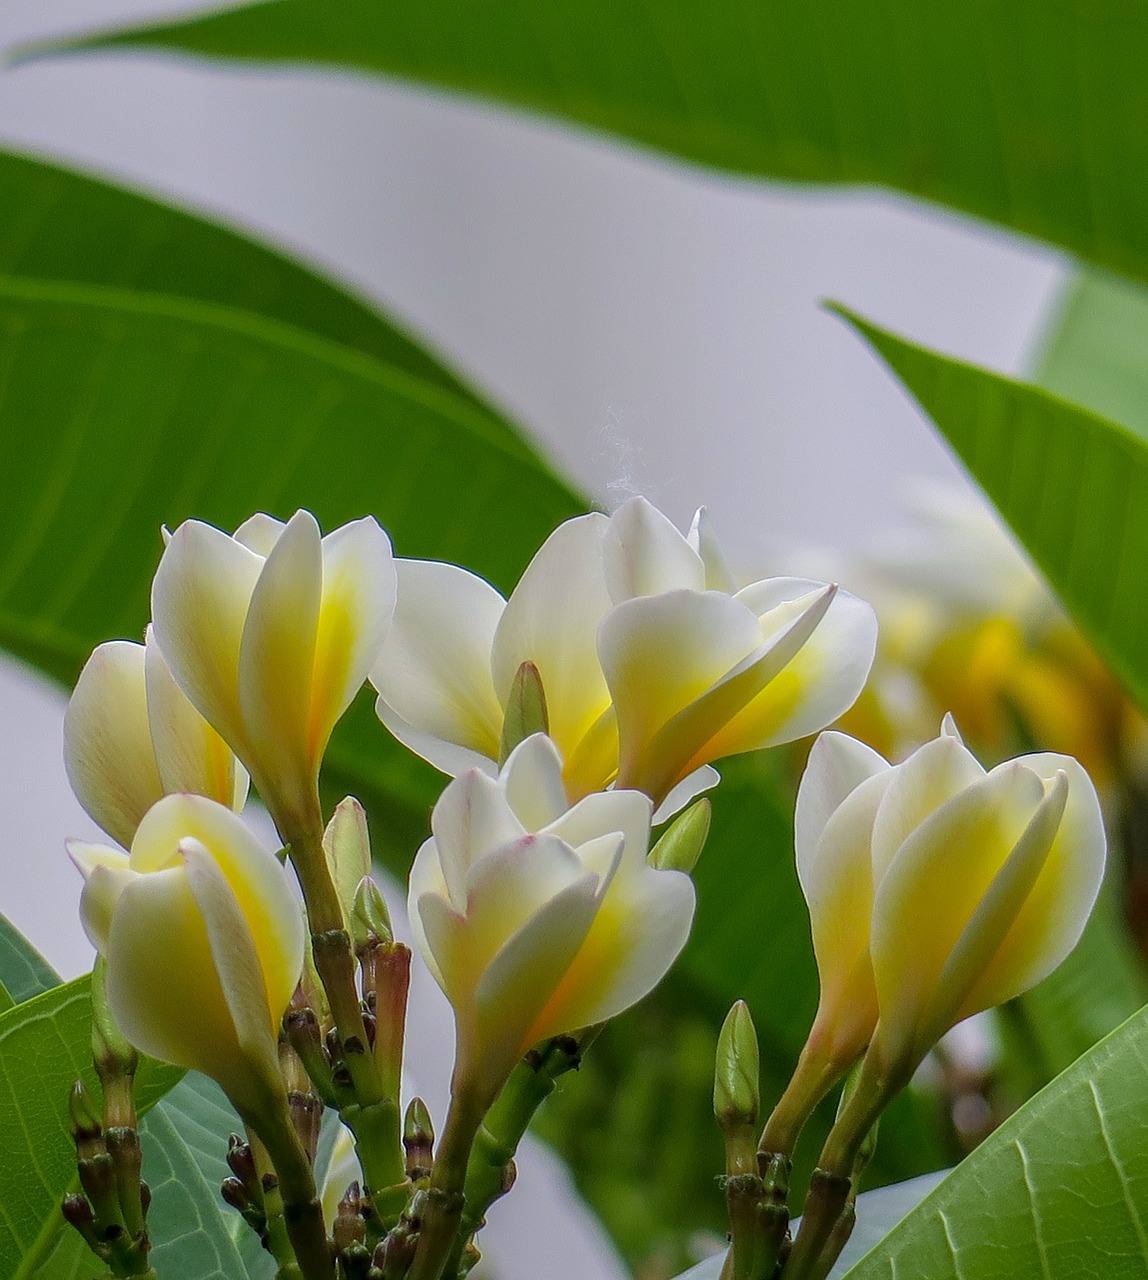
1030, 114
1072, 486
44, 1047
1056, 1193
1096, 350
23, 970
56, 224
131, 411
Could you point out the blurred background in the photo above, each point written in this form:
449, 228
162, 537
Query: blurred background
656, 326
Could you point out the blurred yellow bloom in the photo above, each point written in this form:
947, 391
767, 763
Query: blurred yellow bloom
538, 919
131, 737
271, 633
652, 663
968, 625
203, 936
935, 889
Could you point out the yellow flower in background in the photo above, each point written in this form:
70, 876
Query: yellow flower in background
652, 663
270, 634
537, 919
131, 737
967, 624
937, 889
203, 936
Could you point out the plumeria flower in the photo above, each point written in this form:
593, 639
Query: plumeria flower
131, 737
203, 936
537, 919
271, 633
651, 661
937, 889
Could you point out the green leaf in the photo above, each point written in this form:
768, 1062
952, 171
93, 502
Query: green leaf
56, 224
1096, 353
1059, 1190
196, 1235
44, 1047
180, 409
962, 103
23, 970
1072, 486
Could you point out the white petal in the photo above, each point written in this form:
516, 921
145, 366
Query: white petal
836, 877
108, 751
236, 960
551, 619
837, 764
190, 755
627, 812
932, 775
661, 653
523, 976
937, 879
163, 987
199, 603
1052, 919
532, 782
105, 878
472, 818
692, 785
265, 894
426, 880
703, 540
823, 679
356, 608
445, 756
644, 555
260, 533
433, 673
277, 658
638, 933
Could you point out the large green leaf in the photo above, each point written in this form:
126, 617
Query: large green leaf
1096, 352
56, 224
1072, 486
23, 970
1026, 112
1059, 1191
127, 411
44, 1047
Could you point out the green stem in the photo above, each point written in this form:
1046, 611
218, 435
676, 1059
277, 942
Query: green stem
301, 1211
445, 1194
812, 1079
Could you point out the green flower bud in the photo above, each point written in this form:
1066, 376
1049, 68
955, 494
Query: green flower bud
737, 1093
526, 712
682, 842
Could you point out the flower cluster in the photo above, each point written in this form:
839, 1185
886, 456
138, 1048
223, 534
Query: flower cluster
571, 717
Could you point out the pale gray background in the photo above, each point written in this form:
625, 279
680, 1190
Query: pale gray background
656, 325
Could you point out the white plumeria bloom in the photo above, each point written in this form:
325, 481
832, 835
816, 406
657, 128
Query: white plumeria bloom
271, 634
937, 889
652, 663
202, 931
537, 919
131, 737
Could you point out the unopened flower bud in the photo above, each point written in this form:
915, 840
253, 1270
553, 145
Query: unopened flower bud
737, 1070
681, 844
525, 710
418, 1140
369, 915
347, 844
